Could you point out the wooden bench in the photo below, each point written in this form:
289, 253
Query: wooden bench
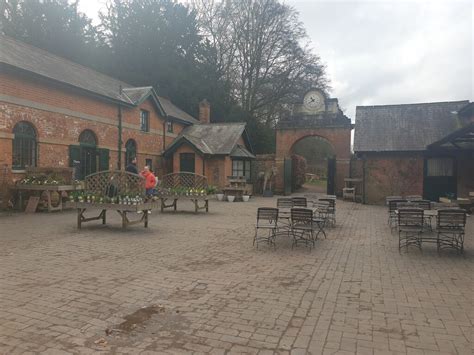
194, 183
110, 185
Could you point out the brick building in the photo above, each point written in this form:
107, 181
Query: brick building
216, 150
415, 149
56, 113
53, 110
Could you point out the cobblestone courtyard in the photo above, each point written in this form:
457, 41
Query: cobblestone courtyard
205, 289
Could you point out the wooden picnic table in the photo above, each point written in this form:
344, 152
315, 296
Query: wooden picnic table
47, 189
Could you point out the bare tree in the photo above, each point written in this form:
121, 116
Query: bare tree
262, 50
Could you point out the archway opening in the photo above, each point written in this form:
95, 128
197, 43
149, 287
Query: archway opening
317, 151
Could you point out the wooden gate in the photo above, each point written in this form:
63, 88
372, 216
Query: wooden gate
287, 171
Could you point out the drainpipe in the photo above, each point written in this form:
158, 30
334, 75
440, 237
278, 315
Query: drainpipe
364, 168
165, 121
119, 160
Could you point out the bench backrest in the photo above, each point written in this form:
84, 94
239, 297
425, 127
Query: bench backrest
184, 179
115, 182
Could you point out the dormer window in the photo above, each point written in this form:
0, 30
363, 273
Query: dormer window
144, 121
169, 126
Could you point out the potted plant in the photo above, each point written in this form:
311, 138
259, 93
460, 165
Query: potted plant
220, 195
230, 198
245, 198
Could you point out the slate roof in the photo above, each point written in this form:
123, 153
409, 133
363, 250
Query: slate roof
212, 139
23, 56
408, 127
175, 112
240, 151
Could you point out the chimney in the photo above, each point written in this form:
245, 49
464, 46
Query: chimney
204, 111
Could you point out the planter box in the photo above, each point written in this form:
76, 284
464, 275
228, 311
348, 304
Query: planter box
267, 193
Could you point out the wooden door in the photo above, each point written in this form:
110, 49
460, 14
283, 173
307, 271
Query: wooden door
187, 162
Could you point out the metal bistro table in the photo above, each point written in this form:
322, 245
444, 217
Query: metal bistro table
285, 213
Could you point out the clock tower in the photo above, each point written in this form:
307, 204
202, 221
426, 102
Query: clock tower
313, 103
318, 115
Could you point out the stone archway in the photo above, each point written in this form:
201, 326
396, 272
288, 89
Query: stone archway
325, 120
319, 154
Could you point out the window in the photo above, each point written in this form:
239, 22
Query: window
24, 146
241, 168
87, 137
439, 167
144, 121
130, 151
169, 126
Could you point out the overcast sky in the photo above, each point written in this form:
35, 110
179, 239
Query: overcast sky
387, 52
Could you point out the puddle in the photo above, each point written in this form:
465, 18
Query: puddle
138, 318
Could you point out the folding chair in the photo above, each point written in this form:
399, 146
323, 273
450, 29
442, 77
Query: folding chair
450, 228
413, 197
410, 227
331, 211
284, 206
302, 226
392, 211
320, 216
390, 198
300, 202
267, 221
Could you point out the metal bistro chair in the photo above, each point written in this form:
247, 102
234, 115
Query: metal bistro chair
284, 216
331, 210
302, 226
391, 198
267, 220
413, 197
410, 227
320, 216
425, 205
299, 202
392, 211
450, 227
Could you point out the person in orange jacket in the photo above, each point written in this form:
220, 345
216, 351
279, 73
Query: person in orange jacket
150, 181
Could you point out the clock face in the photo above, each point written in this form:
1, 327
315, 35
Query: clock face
313, 100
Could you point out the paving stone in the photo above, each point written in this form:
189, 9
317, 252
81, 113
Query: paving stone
353, 293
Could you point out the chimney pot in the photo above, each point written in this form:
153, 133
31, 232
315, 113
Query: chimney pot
204, 111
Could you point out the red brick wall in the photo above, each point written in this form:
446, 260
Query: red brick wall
59, 114
393, 175
465, 167
216, 171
